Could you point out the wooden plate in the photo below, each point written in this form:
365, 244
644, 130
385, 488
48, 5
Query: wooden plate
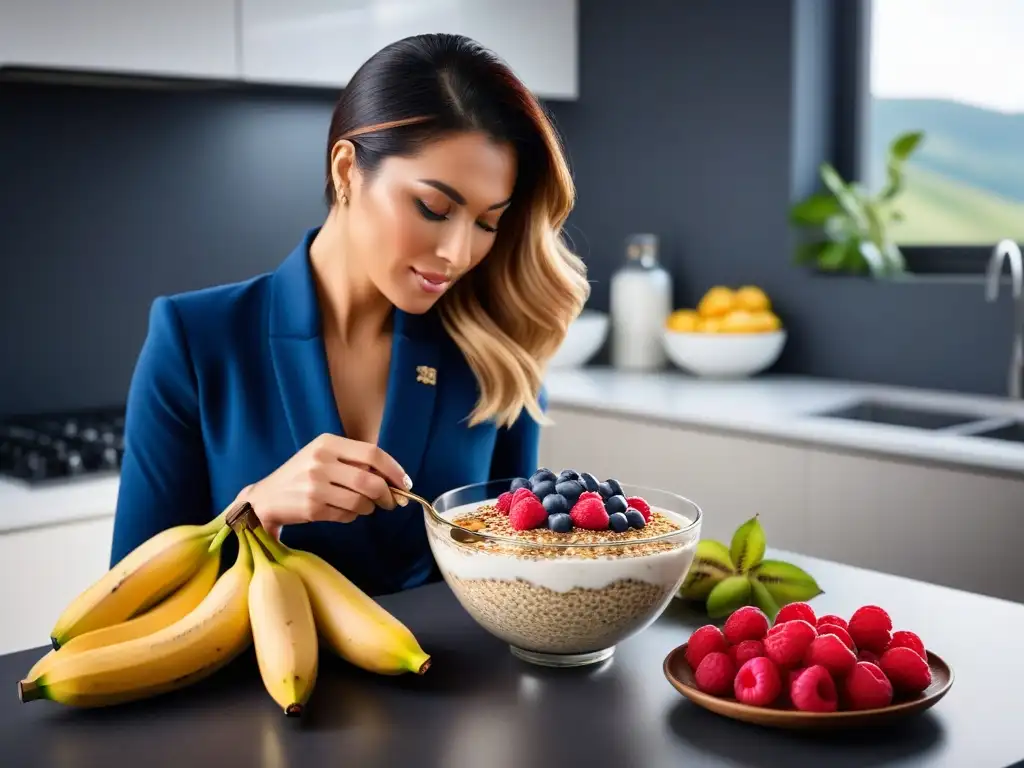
679, 674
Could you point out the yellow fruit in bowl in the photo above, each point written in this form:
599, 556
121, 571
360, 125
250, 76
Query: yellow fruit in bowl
709, 325
718, 301
739, 321
683, 321
752, 299
766, 321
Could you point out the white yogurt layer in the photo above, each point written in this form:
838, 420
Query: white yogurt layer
666, 568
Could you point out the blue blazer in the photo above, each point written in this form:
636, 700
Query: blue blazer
232, 381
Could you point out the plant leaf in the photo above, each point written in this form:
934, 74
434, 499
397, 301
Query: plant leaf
711, 564
785, 582
814, 210
845, 195
808, 253
748, 545
763, 599
904, 144
728, 595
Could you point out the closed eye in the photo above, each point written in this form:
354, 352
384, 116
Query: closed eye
431, 215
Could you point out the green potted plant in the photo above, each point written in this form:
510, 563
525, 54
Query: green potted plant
851, 225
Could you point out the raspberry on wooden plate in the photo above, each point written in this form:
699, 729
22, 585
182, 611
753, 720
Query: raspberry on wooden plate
866, 687
757, 682
814, 690
707, 639
715, 673
796, 611
746, 623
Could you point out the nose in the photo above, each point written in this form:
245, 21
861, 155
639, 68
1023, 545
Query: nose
456, 247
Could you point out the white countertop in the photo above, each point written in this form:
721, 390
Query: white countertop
22, 506
773, 407
783, 408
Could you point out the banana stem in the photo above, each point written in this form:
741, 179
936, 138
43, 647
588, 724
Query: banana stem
277, 550
29, 690
222, 534
217, 523
259, 554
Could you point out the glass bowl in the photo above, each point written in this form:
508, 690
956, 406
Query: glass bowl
561, 599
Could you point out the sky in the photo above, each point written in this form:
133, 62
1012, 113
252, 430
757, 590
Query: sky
964, 50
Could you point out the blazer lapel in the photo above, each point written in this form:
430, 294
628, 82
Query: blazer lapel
297, 349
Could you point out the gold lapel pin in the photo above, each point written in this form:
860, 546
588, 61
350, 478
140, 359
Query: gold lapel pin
426, 375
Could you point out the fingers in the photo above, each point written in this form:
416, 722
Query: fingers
356, 452
358, 482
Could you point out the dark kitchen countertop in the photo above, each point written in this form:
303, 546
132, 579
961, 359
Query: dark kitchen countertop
477, 703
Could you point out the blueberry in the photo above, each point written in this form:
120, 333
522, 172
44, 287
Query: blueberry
616, 504
543, 488
571, 490
635, 518
519, 482
589, 482
618, 522
605, 490
568, 474
560, 523
614, 485
542, 474
555, 504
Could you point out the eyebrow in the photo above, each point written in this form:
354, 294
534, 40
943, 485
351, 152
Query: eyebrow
456, 196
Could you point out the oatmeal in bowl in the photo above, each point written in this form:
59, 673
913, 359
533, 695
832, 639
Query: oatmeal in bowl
563, 567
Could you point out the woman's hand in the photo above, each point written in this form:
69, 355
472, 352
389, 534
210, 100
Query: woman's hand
332, 478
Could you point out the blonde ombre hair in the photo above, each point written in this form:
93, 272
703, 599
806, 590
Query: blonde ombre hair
510, 314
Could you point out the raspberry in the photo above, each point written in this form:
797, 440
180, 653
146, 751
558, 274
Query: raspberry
829, 652
787, 643
842, 634
521, 493
589, 514
745, 651
757, 682
796, 611
746, 623
869, 656
707, 639
814, 690
906, 670
867, 687
527, 512
905, 639
590, 495
640, 505
715, 673
870, 628
831, 618
505, 502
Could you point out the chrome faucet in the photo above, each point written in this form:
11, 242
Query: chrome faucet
1008, 249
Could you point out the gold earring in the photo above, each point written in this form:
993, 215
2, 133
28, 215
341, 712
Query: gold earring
342, 197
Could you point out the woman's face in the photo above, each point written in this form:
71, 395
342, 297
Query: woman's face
423, 222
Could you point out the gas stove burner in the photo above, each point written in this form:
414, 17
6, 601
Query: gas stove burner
48, 446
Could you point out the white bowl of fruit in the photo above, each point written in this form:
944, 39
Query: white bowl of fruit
730, 334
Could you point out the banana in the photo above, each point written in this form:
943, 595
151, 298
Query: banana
283, 631
189, 650
139, 581
354, 625
165, 613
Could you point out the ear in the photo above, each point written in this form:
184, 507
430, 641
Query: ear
343, 167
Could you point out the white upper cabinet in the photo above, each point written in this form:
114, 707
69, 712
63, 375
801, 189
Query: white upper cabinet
323, 42
185, 38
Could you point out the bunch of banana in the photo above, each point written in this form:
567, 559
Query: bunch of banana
137, 663
162, 619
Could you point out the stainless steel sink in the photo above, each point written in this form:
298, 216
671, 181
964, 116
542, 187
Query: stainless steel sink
1012, 432
895, 414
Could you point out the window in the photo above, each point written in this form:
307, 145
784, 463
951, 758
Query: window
955, 70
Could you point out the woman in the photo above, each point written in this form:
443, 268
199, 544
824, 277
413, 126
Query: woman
403, 341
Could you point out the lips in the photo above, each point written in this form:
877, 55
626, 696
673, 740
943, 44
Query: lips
434, 277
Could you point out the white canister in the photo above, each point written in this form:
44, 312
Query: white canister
641, 301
